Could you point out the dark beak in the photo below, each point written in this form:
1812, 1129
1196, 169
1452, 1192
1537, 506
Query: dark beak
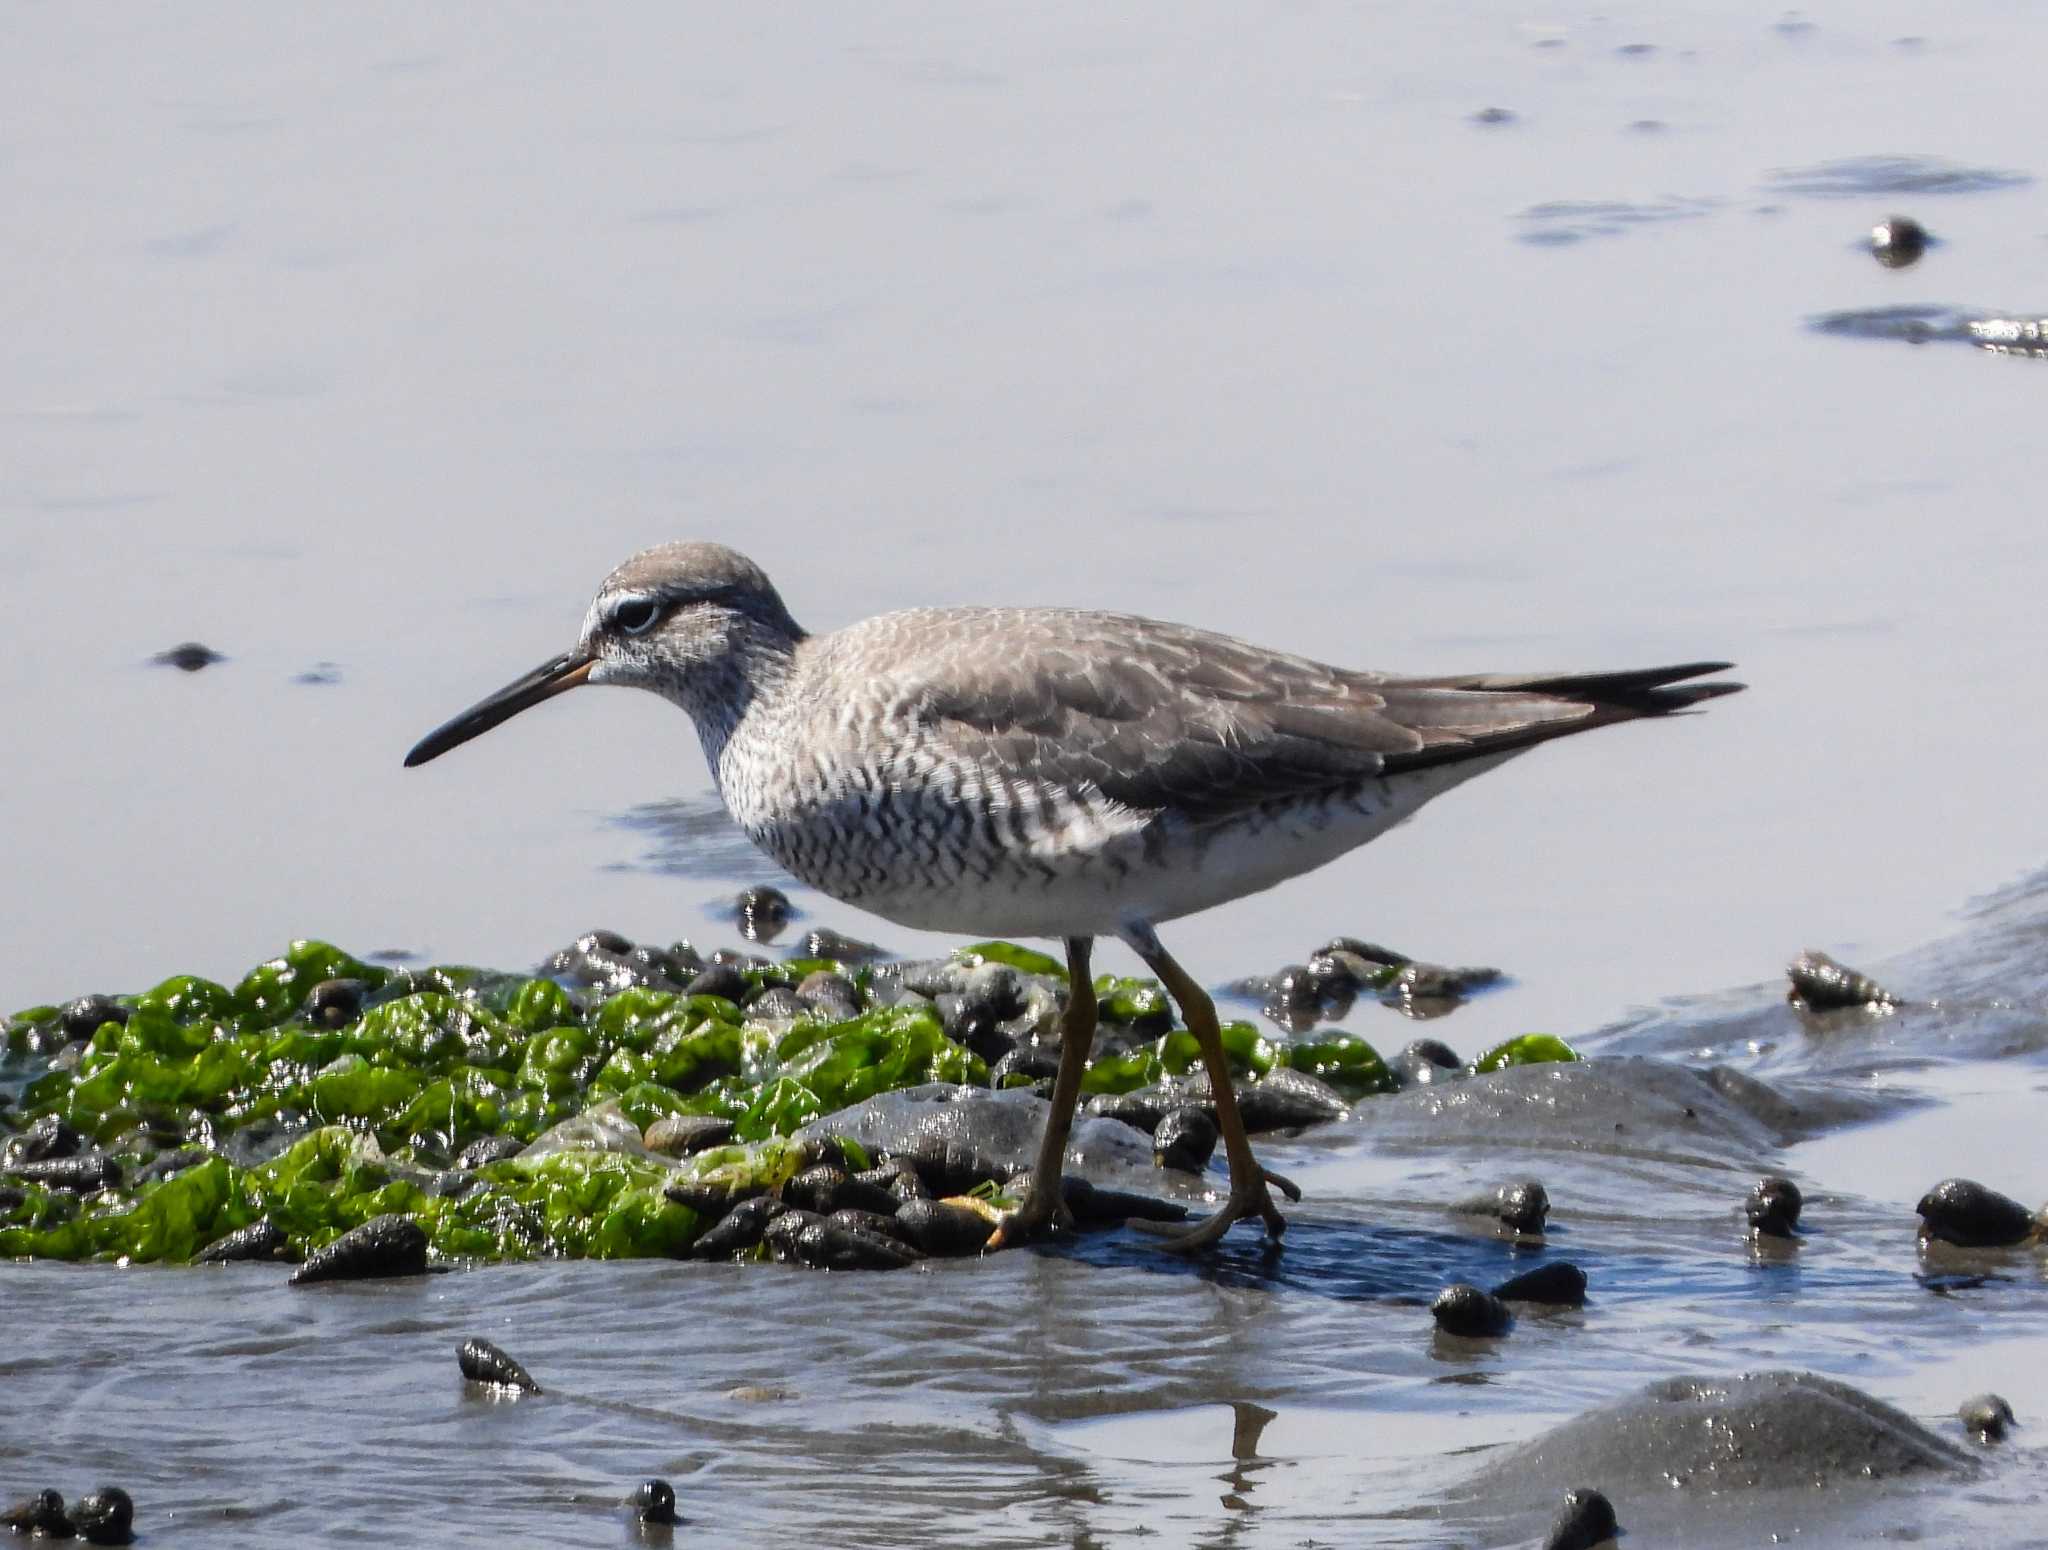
543, 683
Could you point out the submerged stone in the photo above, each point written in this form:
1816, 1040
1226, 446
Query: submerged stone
187, 656
1558, 1284
1898, 241
762, 912
105, 1515
483, 1362
1464, 1310
388, 1245
654, 1501
1522, 1207
1966, 1213
1585, 1519
42, 1514
1090, 1203
1987, 1417
1773, 1206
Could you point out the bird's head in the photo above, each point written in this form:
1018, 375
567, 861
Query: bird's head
694, 622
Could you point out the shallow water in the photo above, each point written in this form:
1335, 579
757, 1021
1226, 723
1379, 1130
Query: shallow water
364, 348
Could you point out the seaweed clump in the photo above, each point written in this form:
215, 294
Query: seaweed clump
504, 1114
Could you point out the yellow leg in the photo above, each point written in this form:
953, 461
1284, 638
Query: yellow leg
1249, 1196
1043, 1208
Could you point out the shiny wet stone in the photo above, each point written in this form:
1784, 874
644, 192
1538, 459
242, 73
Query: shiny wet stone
389, 1245
483, 1362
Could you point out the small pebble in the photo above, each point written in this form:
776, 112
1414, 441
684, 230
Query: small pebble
485, 1150
1434, 1052
1586, 1519
262, 1239
1964, 1212
654, 1501
943, 1227
1558, 1284
1296, 989
762, 1393
1465, 1310
680, 1135
828, 995
1523, 1207
740, 1229
816, 1189
85, 1173
48, 1137
776, 1004
1987, 1417
842, 949
187, 657
1898, 241
388, 1245
1819, 984
830, 1245
335, 1003
721, 980
1773, 1206
83, 1018
105, 1515
483, 1362
1185, 1140
1025, 1064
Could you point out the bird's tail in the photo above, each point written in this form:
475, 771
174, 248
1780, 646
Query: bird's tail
1643, 691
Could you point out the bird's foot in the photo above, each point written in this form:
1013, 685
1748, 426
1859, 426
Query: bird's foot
1042, 1214
1253, 1200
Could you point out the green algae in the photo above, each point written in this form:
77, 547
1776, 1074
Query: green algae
1528, 1049
319, 1128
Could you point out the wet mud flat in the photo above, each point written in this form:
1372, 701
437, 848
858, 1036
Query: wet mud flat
1717, 1380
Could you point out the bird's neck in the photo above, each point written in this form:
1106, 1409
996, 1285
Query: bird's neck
741, 688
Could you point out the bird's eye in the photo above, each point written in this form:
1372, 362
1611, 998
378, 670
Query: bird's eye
635, 615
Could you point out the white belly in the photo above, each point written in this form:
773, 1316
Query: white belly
1161, 873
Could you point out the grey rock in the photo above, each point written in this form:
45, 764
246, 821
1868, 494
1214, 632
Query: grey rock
1759, 1431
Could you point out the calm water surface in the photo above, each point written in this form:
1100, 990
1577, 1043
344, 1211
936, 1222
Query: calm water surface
361, 344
